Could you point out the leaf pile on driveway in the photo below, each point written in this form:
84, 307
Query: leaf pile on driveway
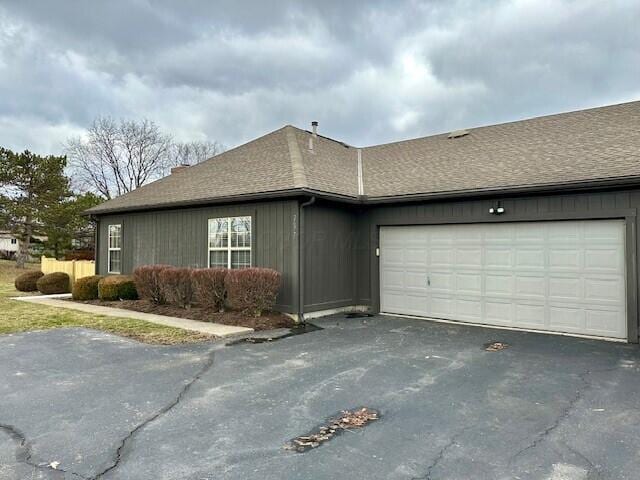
347, 420
495, 346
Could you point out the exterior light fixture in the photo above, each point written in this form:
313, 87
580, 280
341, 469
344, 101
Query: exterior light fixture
497, 210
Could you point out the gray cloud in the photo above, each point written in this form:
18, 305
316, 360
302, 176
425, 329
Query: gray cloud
370, 72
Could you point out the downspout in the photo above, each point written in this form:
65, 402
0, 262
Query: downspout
301, 257
96, 243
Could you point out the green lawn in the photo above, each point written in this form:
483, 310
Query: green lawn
16, 316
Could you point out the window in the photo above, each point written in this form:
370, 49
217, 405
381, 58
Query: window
115, 245
14, 241
230, 242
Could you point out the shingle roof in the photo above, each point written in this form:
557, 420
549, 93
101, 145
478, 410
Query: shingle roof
595, 144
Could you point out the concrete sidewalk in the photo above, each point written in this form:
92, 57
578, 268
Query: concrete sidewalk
216, 329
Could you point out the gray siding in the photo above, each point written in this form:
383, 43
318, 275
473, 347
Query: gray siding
329, 247
179, 237
591, 205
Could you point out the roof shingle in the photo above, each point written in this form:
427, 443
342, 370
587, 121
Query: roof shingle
592, 144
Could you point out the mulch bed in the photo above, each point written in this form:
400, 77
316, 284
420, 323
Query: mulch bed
268, 321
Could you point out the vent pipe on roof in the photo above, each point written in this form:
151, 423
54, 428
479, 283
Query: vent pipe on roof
314, 134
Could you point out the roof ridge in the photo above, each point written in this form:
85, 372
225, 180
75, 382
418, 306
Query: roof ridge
508, 122
297, 164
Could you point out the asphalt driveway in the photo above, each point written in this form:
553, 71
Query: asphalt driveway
547, 407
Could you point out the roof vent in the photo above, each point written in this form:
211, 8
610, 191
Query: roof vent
179, 168
314, 134
458, 133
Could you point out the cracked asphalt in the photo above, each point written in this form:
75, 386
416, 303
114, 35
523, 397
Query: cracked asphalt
104, 407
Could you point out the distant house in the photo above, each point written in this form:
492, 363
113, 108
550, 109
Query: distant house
530, 224
8, 244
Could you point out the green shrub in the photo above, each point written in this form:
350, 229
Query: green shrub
252, 290
117, 287
177, 286
208, 284
147, 278
26, 282
53, 283
86, 288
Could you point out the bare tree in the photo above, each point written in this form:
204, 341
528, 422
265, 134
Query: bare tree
118, 157
191, 153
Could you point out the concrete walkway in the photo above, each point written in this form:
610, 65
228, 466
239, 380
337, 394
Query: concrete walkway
216, 329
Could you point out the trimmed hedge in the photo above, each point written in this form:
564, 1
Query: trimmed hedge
208, 285
117, 287
147, 278
177, 286
252, 290
53, 283
26, 282
86, 288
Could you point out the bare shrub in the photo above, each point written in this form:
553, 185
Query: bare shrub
253, 290
147, 278
208, 285
177, 286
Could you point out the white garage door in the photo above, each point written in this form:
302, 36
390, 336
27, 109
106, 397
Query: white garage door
555, 276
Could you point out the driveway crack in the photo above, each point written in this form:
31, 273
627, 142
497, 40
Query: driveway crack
441, 454
167, 408
24, 454
566, 412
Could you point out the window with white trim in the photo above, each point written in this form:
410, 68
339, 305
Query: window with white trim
14, 241
114, 243
230, 242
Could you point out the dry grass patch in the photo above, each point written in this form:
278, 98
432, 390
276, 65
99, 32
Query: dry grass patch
16, 316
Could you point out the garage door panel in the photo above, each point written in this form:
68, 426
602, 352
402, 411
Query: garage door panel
566, 289
565, 259
496, 284
468, 258
529, 233
501, 233
603, 260
499, 313
469, 309
557, 276
441, 257
604, 289
415, 257
498, 258
604, 321
393, 256
442, 306
594, 233
530, 315
442, 282
564, 234
530, 259
469, 283
531, 286
392, 279
416, 280
566, 318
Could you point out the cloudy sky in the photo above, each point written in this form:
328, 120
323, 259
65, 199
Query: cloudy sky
369, 72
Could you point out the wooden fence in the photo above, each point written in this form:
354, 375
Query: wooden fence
74, 268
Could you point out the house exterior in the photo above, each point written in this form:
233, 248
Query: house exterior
530, 224
8, 243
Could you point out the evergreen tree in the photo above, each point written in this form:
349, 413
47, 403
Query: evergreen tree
30, 184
